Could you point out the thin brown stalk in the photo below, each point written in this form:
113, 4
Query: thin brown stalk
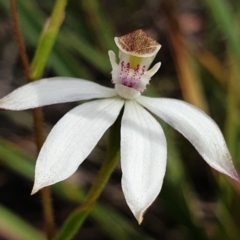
37, 117
19, 40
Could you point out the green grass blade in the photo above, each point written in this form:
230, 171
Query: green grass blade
13, 226
47, 40
23, 164
223, 16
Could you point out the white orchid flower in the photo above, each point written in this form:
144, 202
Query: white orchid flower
143, 144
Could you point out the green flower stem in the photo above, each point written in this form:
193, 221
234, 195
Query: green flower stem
76, 219
47, 39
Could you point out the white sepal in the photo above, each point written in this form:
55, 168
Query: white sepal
54, 90
197, 127
72, 139
143, 158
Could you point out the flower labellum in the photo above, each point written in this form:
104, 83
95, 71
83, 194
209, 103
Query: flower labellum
136, 52
143, 143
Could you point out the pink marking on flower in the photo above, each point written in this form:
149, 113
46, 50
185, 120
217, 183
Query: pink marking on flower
131, 77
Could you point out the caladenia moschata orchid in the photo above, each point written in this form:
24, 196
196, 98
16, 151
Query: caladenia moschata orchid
143, 145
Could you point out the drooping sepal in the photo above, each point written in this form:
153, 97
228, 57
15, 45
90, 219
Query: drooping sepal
143, 158
197, 127
72, 139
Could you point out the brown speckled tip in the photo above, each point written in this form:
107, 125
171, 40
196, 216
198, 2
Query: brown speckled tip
138, 43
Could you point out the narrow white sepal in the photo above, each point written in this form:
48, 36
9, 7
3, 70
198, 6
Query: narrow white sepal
72, 139
54, 90
197, 127
143, 158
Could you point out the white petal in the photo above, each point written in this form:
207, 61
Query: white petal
54, 90
197, 127
143, 158
72, 139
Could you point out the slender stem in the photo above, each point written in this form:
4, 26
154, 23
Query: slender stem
38, 120
19, 40
76, 219
45, 192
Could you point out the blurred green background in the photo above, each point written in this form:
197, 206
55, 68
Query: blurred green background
200, 58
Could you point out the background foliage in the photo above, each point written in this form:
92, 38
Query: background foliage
200, 58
